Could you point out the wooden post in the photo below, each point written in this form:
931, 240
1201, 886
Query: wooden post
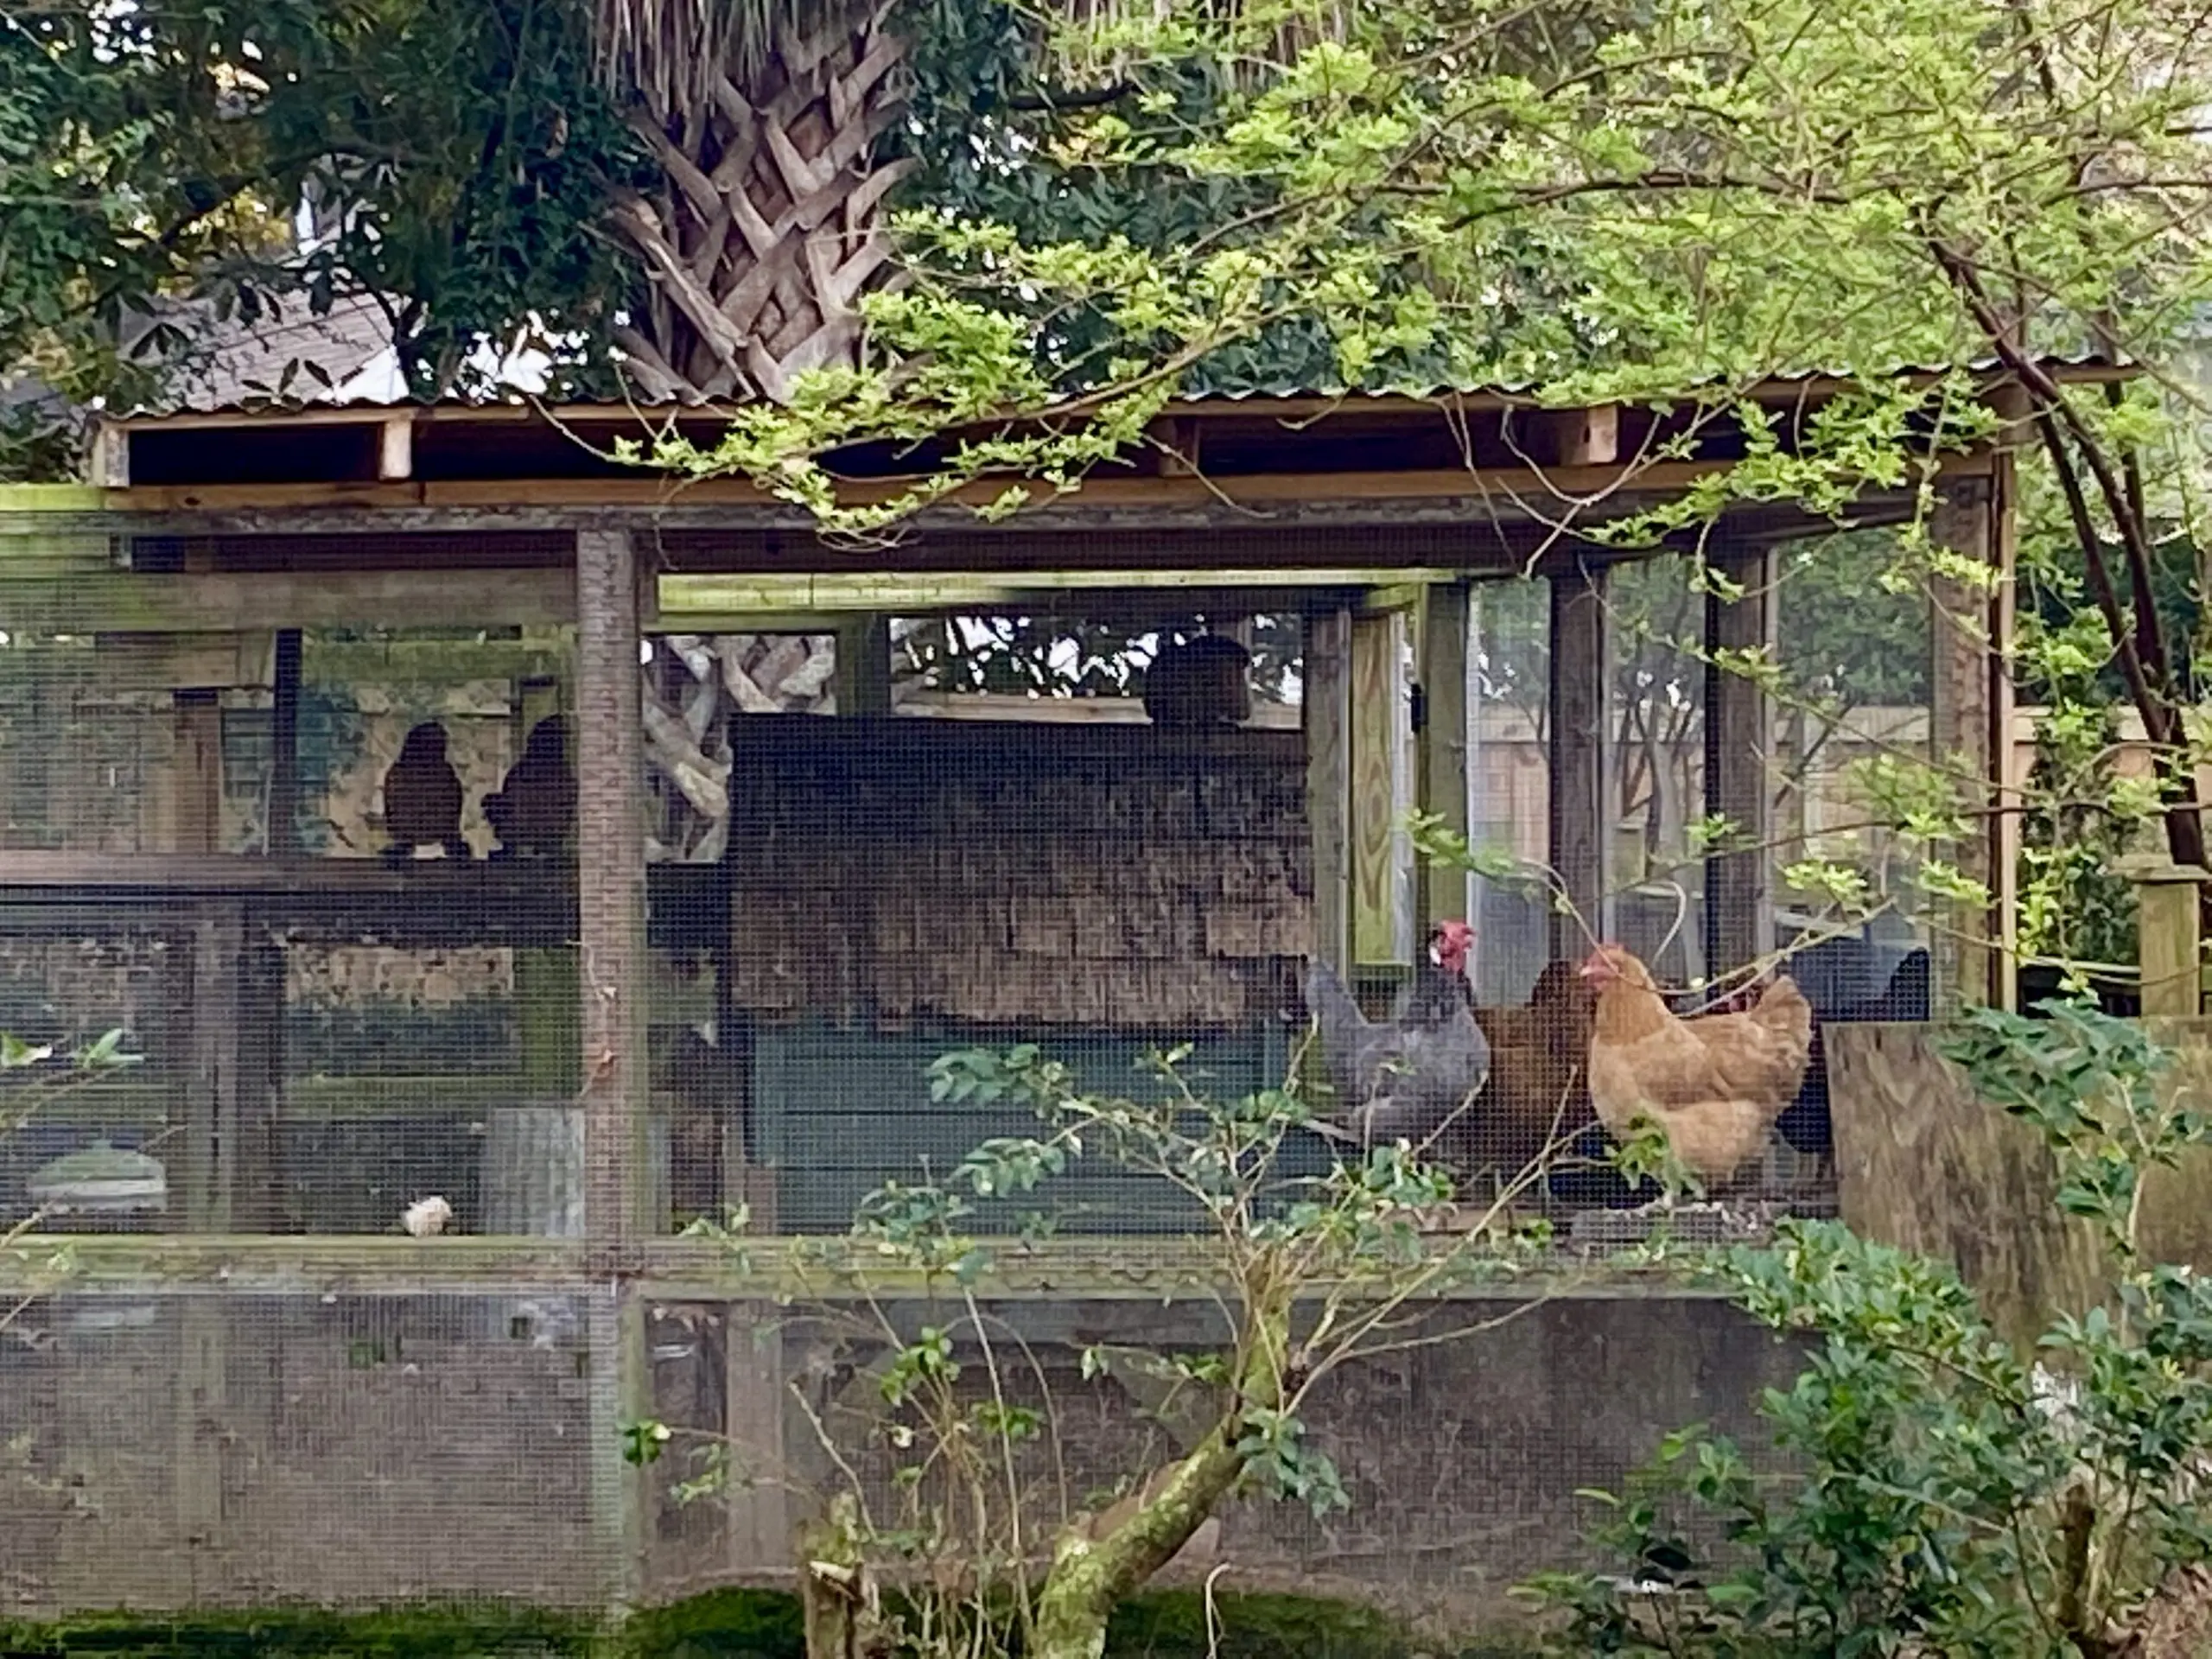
204, 989
754, 1404
255, 1174
206, 986
2008, 790
253, 1155
285, 746
863, 676
1738, 763
534, 1162
611, 938
1441, 746
1581, 438
611, 884
1378, 731
212, 1089
2168, 941
1328, 777
548, 996
1581, 795
396, 447
196, 815
1970, 718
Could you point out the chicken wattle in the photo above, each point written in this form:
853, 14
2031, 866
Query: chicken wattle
1409, 1076
1714, 1084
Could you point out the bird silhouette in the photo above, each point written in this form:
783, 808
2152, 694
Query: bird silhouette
535, 810
421, 798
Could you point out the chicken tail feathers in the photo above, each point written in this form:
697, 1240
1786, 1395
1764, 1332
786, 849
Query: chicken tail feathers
1783, 1006
1328, 1002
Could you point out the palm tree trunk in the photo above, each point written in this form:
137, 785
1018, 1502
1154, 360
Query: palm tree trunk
765, 228
767, 225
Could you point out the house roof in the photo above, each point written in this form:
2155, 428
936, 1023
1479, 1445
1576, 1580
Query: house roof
332, 359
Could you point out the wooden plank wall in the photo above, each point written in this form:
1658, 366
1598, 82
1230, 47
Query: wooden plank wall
1921, 1163
902, 887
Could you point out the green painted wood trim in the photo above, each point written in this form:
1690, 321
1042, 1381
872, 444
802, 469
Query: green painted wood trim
48, 497
696, 597
673, 1270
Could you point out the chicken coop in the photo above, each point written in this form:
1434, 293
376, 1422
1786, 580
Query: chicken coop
499, 864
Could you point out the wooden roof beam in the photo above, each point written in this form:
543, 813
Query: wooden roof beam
1491, 494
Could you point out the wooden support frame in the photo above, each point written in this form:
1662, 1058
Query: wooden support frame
612, 944
1379, 922
1970, 728
698, 601
196, 801
108, 464
1581, 438
1739, 761
862, 674
1180, 441
224, 602
772, 1270
610, 882
2170, 950
396, 447
218, 937
1328, 779
756, 1409
1441, 745
1581, 743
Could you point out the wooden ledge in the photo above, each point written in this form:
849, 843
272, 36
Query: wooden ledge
676, 1269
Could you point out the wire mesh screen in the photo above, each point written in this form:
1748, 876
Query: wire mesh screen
238, 1449
1856, 658
867, 852
1656, 712
1020, 853
167, 1452
1509, 778
257, 885
91, 744
325, 885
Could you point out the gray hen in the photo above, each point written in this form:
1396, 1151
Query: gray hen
1406, 1078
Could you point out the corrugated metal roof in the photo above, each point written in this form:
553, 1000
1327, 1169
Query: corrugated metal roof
245, 372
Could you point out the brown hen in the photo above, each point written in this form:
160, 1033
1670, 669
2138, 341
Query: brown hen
1714, 1084
1537, 1097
